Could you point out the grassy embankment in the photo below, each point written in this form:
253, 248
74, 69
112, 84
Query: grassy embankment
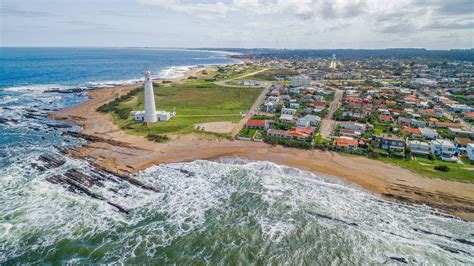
270, 74
195, 101
458, 172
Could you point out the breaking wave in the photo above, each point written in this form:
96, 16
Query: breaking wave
221, 211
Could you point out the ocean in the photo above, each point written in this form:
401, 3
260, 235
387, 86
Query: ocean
226, 211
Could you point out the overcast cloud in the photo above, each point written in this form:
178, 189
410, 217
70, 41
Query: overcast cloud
239, 23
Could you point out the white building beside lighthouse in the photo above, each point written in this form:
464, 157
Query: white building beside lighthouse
150, 114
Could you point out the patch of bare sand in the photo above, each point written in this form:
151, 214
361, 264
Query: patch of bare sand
216, 127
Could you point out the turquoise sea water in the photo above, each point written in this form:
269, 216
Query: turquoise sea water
229, 211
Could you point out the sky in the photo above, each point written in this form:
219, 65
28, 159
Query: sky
308, 24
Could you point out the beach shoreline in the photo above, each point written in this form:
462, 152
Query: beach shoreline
119, 152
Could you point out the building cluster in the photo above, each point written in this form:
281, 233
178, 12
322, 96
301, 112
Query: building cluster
292, 111
396, 120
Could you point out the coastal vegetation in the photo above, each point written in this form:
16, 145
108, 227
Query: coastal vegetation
272, 74
195, 101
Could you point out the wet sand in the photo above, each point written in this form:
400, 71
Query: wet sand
124, 153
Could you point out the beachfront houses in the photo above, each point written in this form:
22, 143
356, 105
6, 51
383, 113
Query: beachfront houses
419, 148
259, 124
293, 134
346, 143
470, 151
442, 147
389, 142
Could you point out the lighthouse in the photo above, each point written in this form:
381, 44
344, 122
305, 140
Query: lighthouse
150, 111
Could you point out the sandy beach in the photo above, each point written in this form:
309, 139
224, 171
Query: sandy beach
119, 152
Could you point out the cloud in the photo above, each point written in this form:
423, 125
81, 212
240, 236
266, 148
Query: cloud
304, 9
5, 11
450, 26
448, 7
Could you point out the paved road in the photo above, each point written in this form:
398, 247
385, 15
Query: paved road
328, 124
253, 110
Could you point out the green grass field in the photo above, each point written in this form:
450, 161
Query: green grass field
195, 97
459, 172
270, 74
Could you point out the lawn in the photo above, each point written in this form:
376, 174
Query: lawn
459, 172
270, 74
195, 97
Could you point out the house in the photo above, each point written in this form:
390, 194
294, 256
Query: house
442, 147
419, 147
313, 119
411, 122
411, 131
386, 119
160, 115
439, 124
346, 143
302, 123
288, 135
428, 133
459, 108
459, 132
389, 142
285, 118
308, 131
462, 142
270, 107
294, 105
470, 151
258, 124
354, 126
288, 111
469, 116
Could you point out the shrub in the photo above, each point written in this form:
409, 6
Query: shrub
442, 168
157, 137
431, 157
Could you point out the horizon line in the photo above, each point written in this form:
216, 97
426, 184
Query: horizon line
242, 48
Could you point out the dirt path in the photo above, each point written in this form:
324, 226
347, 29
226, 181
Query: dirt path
328, 124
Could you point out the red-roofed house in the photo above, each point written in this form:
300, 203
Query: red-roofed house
257, 124
386, 119
411, 131
346, 143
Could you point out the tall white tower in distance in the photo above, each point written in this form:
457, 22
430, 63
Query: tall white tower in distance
150, 111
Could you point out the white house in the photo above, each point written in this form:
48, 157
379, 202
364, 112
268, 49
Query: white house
353, 126
428, 133
442, 147
419, 148
303, 123
160, 115
270, 107
294, 105
286, 118
470, 151
288, 111
313, 119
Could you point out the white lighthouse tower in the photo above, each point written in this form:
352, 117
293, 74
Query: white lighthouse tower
150, 111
